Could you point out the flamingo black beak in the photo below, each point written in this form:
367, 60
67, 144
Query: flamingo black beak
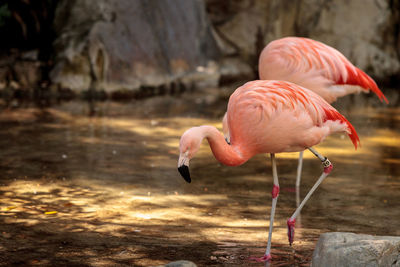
183, 166
184, 171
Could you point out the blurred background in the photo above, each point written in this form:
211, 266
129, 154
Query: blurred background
95, 94
132, 49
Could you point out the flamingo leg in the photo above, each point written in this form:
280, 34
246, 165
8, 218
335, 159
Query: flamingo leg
298, 178
299, 169
327, 169
274, 193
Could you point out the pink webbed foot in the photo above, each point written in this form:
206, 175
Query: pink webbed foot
261, 259
290, 225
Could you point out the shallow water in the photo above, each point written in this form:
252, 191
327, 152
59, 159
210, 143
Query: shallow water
119, 200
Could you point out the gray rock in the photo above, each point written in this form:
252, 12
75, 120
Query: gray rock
369, 39
353, 250
181, 263
124, 44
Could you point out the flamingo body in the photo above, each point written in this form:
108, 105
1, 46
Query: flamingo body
316, 66
268, 116
277, 116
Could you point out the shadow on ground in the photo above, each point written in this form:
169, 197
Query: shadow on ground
104, 190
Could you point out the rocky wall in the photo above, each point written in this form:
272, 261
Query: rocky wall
166, 45
125, 45
365, 31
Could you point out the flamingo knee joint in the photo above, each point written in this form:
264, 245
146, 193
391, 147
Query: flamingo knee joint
327, 165
275, 191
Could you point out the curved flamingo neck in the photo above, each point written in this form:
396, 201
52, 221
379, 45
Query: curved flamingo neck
224, 153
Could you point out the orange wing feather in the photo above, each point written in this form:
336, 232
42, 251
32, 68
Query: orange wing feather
355, 76
349, 75
334, 115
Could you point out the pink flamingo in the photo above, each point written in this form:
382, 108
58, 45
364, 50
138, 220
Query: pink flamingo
268, 116
315, 66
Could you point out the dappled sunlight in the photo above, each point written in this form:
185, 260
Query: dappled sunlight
65, 207
107, 187
385, 137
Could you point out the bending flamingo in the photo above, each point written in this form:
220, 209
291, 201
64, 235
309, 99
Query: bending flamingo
315, 66
269, 117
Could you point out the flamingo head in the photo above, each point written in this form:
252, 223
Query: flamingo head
188, 146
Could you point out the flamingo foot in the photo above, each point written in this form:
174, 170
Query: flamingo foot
266, 257
290, 225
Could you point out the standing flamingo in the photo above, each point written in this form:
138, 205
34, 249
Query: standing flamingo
268, 116
315, 66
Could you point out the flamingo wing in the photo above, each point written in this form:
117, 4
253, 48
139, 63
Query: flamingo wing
263, 100
303, 55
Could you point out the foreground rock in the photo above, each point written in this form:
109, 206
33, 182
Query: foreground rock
348, 249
